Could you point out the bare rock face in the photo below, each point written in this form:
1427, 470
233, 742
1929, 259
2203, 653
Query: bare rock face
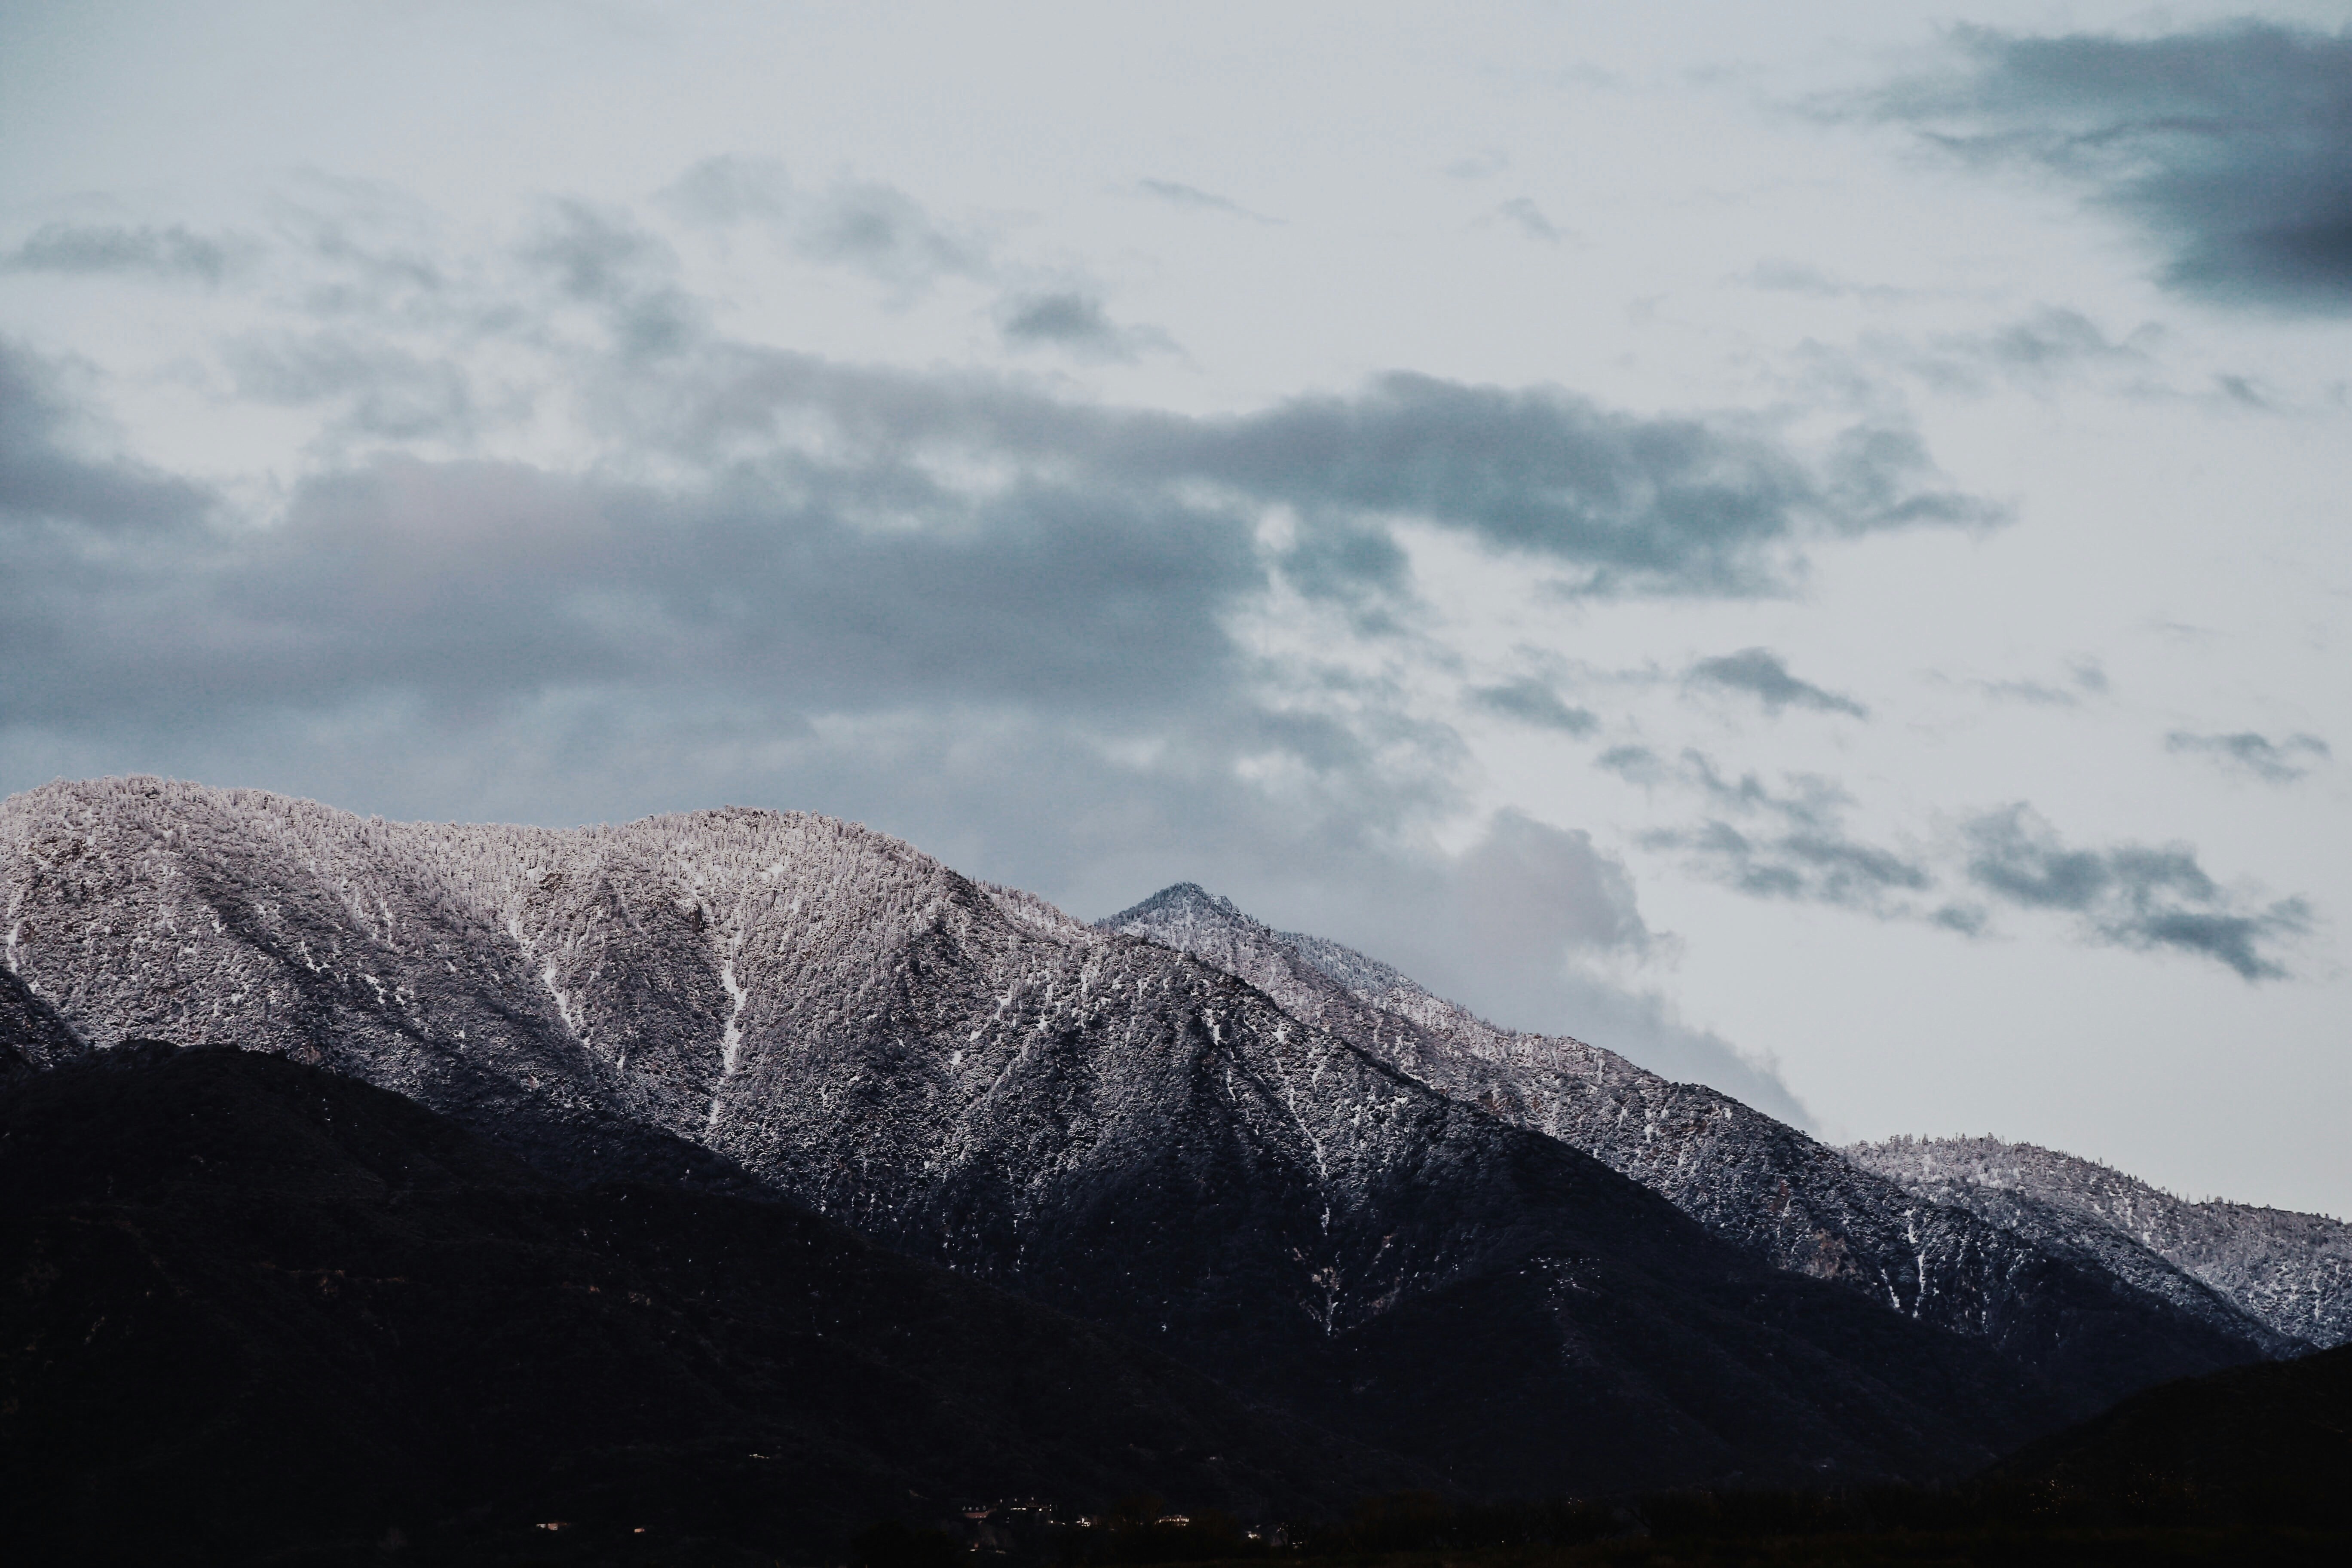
792, 1006
2097, 1308
2294, 1272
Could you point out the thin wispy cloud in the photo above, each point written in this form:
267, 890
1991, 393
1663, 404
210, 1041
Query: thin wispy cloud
1076, 322
1177, 193
2281, 761
93, 248
1759, 673
864, 226
1533, 701
1793, 843
1790, 844
2084, 679
1522, 213
1779, 274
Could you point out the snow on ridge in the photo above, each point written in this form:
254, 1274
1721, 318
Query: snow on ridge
855, 1024
2292, 1270
1742, 1174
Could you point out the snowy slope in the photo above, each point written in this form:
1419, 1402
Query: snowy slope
1746, 1176
798, 1006
2292, 1270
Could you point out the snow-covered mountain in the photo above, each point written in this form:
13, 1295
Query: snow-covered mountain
2294, 1272
1746, 1177
796, 1006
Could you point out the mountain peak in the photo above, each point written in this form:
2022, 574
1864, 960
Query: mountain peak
1181, 903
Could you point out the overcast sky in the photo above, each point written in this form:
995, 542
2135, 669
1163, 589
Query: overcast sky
1806, 543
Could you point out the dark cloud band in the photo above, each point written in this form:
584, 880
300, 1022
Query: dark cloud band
2131, 895
2230, 146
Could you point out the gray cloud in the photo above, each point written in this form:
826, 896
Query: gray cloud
1778, 275
2274, 762
1074, 321
1523, 214
2087, 676
172, 252
860, 536
2045, 351
1801, 852
462, 579
1627, 504
1009, 625
604, 259
731, 189
1614, 503
2035, 692
47, 485
884, 232
2130, 895
1793, 845
1527, 891
1479, 165
2034, 350
1511, 926
1808, 865
862, 224
1533, 702
1183, 196
2230, 146
596, 255
1611, 503
2048, 337
366, 253
1760, 673
383, 390
2241, 390
1636, 764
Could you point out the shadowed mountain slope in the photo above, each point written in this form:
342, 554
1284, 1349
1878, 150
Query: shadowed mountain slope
32, 1035
251, 1305
1091, 1119
2268, 1445
2092, 1317
2294, 1272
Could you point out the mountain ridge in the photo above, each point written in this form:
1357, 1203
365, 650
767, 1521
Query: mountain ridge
2292, 1271
1761, 1183
753, 1000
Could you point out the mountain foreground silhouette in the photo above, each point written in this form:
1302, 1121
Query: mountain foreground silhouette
782, 1007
